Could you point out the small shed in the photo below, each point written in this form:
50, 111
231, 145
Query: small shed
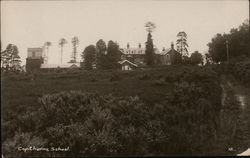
127, 65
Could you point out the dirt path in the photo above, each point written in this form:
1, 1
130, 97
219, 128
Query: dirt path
240, 136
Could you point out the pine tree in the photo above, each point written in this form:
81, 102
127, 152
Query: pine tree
10, 59
181, 43
46, 55
75, 42
62, 42
149, 53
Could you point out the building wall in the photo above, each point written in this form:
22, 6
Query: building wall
166, 59
35, 53
134, 50
33, 64
127, 67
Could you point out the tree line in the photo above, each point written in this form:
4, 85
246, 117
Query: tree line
101, 56
222, 47
238, 40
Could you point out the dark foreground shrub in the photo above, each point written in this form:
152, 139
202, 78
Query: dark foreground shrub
97, 125
91, 125
241, 71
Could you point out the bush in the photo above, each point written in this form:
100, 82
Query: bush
115, 77
144, 77
96, 125
241, 71
93, 125
159, 82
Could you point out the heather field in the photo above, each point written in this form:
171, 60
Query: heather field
161, 111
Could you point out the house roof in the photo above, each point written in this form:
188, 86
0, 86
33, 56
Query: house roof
137, 50
167, 51
124, 61
68, 65
34, 49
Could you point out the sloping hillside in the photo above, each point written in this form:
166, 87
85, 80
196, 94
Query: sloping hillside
169, 110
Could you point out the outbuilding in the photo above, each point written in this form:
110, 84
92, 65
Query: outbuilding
127, 65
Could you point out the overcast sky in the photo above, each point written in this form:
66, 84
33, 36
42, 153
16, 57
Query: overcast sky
31, 23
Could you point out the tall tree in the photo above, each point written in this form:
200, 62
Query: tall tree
149, 52
196, 58
47, 45
75, 42
113, 55
89, 57
217, 48
100, 54
62, 42
10, 59
182, 44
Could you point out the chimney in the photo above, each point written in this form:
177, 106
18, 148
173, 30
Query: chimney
139, 45
172, 45
128, 45
163, 49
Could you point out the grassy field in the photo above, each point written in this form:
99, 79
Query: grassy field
25, 89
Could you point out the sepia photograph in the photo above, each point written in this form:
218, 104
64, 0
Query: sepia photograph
125, 78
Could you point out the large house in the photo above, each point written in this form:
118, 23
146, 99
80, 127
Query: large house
131, 58
166, 57
137, 55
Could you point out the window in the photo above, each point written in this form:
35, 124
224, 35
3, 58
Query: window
33, 54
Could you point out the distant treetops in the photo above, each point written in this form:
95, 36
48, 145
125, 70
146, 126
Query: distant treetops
100, 56
234, 44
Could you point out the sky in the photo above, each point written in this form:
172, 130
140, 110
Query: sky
29, 24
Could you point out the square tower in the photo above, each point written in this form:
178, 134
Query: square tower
34, 59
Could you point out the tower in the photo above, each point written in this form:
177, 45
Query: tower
34, 59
